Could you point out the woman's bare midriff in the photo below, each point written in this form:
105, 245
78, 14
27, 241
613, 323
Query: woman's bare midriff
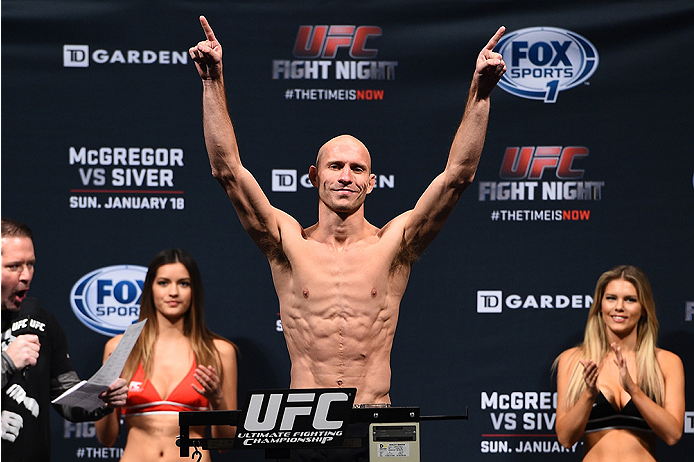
152, 438
619, 445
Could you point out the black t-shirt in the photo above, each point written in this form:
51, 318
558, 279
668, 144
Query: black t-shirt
28, 392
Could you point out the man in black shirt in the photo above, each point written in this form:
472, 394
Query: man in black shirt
36, 366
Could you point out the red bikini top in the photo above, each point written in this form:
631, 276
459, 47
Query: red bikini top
144, 399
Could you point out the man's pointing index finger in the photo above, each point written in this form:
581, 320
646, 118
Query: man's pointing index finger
208, 30
493, 42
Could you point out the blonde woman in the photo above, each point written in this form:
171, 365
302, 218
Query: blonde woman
177, 364
617, 390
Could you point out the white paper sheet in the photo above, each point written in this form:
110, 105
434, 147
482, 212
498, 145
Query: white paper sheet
86, 393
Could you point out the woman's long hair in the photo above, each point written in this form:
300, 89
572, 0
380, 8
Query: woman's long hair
194, 327
595, 344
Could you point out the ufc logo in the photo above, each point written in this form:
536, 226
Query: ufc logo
284, 408
531, 162
324, 41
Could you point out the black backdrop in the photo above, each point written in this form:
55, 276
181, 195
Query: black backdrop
504, 288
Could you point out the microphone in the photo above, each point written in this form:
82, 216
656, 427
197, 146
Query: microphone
28, 325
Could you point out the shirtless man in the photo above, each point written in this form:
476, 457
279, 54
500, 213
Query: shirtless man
340, 281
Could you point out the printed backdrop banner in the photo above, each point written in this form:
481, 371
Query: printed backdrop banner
585, 167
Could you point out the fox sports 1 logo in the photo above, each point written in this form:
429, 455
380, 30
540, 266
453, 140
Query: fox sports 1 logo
107, 300
542, 61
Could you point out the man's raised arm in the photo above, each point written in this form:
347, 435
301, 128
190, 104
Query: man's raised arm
252, 206
435, 205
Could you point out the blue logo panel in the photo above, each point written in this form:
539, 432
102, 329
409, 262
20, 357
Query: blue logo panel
107, 300
543, 61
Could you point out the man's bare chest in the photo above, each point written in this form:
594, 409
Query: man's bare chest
360, 271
